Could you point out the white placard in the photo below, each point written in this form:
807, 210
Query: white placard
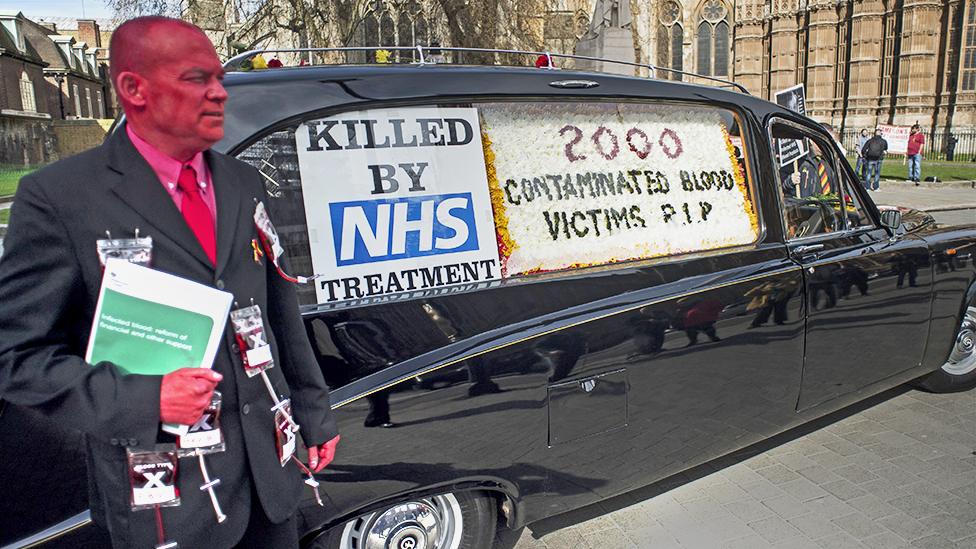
794, 99
153, 495
897, 138
396, 200
589, 184
200, 439
259, 355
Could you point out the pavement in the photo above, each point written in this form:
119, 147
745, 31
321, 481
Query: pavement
927, 196
898, 471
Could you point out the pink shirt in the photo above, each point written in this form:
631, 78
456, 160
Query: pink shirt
168, 171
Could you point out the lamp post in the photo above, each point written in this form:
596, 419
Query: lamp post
59, 78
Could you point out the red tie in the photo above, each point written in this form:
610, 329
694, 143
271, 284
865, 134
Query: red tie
196, 212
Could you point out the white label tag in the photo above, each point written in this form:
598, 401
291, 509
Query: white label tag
288, 448
153, 496
259, 355
200, 439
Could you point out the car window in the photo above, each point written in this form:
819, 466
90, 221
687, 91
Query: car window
812, 194
408, 202
857, 216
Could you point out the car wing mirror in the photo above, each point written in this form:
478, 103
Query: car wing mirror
891, 219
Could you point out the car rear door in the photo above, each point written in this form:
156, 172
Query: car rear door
867, 296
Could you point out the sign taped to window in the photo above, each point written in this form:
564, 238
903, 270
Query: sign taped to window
396, 200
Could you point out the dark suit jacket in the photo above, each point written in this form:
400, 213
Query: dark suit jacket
49, 281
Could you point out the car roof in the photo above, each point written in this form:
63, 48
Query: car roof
263, 100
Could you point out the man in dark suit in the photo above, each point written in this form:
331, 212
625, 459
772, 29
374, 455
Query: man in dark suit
157, 175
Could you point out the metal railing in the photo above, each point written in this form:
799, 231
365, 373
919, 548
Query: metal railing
421, 56
951, 146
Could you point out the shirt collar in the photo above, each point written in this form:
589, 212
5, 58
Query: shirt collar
167, 168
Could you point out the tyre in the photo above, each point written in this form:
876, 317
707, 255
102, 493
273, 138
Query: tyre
465, 520
959, 372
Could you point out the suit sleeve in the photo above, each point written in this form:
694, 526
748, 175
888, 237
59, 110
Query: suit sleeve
41, 327
309, 393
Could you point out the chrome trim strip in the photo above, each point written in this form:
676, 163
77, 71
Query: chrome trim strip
52, 532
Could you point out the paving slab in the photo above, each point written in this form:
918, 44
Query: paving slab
925, 197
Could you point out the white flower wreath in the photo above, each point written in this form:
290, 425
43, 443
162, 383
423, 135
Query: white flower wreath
588, 184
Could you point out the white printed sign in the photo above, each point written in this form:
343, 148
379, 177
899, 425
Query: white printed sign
396, 201
897, 138
794, 99
588, 184
154, 490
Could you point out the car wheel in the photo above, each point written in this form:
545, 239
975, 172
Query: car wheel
959, 372
465, 520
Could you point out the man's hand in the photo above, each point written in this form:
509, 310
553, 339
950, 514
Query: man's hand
185, 393
320, 456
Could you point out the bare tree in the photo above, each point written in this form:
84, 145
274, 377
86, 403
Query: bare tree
500, 24
467, 23
322, 21
126, 9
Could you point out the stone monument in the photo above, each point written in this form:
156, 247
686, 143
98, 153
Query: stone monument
609, 36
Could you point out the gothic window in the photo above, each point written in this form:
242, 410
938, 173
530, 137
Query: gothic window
969, 49
841, 62
402, 24
712, 39
670, 40
888, 51
802, 49
27, 94
387, 29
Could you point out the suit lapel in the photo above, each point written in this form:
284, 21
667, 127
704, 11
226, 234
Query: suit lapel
228, 207
139, 187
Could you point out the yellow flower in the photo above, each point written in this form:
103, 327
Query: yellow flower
383, 56
258, 62
740, 181
505, 243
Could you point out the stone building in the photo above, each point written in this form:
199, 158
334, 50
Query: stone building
74, 76
50, 84
862, 62
25, 132
94, 35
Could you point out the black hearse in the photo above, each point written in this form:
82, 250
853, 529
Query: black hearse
533, 289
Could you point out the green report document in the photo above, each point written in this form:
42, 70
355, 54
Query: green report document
150, 322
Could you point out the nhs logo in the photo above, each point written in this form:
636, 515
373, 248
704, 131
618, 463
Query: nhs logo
394, 228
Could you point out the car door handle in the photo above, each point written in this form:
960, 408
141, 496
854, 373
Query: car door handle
807, 249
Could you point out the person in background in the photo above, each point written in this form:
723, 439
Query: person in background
861, 167
835, 136
436, 54
916, 140
873, 153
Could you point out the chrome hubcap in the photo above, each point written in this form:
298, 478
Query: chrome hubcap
962, 360
407, 526
430, 523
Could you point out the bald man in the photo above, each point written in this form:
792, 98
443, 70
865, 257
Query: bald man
157, 174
